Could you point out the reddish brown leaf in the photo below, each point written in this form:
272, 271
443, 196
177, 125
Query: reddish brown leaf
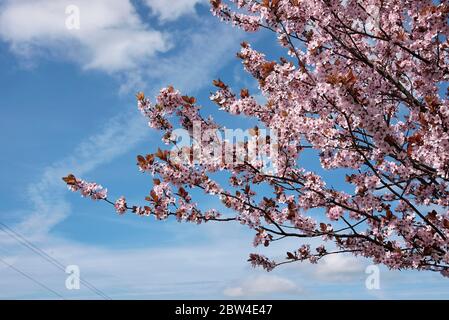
154, 196
323, 227
244, 93
70, 179
291, 256
220, 84
189, 100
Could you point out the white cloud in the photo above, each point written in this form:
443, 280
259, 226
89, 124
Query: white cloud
169, 11
340, 267
112, 37
262, 285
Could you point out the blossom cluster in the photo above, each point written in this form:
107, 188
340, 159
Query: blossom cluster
87, 189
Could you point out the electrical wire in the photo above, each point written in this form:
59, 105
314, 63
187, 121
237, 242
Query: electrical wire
22, 240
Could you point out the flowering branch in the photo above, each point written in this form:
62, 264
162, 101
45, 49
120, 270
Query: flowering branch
363, 86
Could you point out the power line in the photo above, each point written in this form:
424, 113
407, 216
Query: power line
18, 237
22, 240
31, 278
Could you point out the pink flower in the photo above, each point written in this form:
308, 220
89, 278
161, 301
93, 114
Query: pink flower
334, 213
87, 189
120, 205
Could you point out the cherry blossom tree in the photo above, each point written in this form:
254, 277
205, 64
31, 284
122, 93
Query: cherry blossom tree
364, 84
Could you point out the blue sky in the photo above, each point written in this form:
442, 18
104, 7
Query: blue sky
67, 105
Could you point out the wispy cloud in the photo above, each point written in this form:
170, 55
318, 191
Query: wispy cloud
192, 76
174, 10
48, 195
202, 52
262, 285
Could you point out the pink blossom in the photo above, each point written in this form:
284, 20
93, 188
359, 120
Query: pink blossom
87, 189
334, 213
120, 205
